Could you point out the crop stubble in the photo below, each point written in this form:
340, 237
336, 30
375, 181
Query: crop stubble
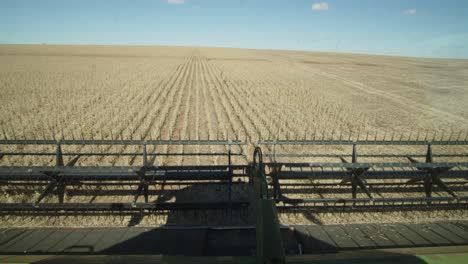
200, 93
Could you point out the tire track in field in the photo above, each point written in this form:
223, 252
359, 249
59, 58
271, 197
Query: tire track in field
298, 116
393, 97
398, 99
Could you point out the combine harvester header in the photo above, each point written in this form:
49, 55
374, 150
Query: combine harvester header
136, 180
389, 166
298, 176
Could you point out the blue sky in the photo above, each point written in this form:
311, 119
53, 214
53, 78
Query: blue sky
423, 28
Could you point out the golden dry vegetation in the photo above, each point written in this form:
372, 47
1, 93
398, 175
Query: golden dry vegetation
114, 92
171, 92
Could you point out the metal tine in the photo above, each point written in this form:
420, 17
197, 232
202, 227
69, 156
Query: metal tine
451, 134
384, 135
433, 136
459, 135
315, 133
53, 133
158, 137
425, 137
466, 135
81, 131
410, 135
393, 136
24, 133
442, 135
13, 132
367, 135
4, 134
417, 136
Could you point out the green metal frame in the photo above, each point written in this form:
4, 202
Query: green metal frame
269, 242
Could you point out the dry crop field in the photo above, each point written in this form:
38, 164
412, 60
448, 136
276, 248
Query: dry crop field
114, 92
171, 92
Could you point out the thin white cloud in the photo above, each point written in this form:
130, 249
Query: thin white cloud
175, 2
322, 6
410, 12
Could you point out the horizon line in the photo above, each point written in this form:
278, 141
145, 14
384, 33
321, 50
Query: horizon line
228, 47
